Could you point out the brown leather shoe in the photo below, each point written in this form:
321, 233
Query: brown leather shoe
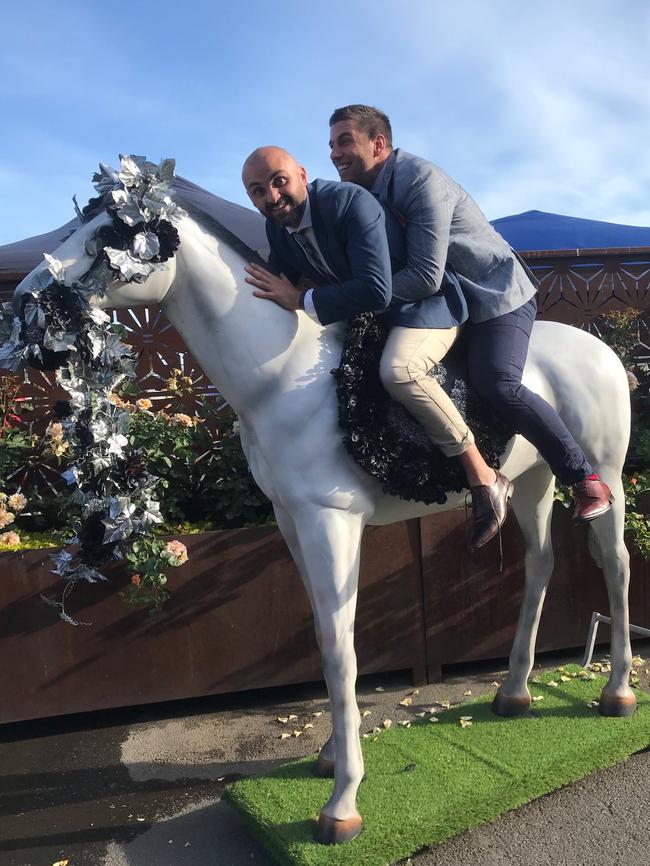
592, 498
489, 509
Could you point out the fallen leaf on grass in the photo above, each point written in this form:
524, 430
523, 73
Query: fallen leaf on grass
468, 693
552, 684
318, 714
538, 698
495, 683
285, 736
292, 717
379, 689
565, 679
420, 715
61, 863
405, 723
282, 719
465, 721
308, 725
434, 719
406, 702
365, 714
297, 733
387, 723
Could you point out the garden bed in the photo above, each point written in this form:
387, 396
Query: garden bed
238, 616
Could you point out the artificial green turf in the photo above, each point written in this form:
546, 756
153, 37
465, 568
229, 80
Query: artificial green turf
431, 781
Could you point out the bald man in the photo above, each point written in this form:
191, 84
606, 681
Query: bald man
334, 235
331, 234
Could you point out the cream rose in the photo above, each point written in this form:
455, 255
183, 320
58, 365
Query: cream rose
183, 420
177, 549
17, 502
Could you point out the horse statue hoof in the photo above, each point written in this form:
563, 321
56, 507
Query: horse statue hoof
509, 706
333, 831
614, 705
322, 768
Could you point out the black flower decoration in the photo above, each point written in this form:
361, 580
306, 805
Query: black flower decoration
386, 441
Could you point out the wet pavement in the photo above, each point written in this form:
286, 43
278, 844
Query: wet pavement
142, 786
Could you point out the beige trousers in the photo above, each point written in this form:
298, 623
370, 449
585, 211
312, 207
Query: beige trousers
408, 356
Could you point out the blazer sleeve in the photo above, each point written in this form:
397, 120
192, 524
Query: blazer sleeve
361, 228
425, 207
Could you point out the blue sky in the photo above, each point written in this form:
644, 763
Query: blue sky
529, 106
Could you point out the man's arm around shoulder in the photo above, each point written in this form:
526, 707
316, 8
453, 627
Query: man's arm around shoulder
425, 202
357, 221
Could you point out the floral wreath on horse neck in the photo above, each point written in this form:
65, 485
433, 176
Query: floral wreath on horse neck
56, 328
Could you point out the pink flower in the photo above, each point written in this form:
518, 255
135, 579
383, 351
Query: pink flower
136, 580
178, 550
55, 431
6, 517
9, 538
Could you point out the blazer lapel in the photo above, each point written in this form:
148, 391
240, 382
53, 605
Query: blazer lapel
322, 233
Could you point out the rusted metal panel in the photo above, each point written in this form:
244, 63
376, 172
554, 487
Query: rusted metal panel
472, 606
238, 619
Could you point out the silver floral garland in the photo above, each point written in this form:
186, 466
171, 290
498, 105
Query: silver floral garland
57, 328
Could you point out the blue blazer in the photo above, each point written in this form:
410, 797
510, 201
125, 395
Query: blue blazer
349, 226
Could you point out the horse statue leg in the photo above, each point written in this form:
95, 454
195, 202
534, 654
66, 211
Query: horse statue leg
607, 546
324, 765
532, 502
327, 545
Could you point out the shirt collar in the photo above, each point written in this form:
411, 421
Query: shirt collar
381, 181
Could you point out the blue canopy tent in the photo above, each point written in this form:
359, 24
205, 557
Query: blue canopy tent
536, 230
527, 232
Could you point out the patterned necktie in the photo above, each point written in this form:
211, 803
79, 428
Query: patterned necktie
314, 258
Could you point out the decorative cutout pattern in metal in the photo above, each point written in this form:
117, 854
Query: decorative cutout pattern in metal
574, 289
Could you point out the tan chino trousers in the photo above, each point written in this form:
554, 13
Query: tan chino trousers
408, 356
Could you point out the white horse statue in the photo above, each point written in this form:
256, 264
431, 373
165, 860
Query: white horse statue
273, 366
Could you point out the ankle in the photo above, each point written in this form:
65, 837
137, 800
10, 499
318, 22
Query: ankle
482, 478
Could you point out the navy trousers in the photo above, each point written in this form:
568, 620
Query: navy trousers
496, 352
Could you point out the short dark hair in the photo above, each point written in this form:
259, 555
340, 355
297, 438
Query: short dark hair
370, 120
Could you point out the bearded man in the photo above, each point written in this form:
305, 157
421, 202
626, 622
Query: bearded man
335, 235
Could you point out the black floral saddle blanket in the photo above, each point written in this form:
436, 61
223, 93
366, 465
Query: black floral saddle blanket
386, 440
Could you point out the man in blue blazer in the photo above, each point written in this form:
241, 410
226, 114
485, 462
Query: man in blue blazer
334, 234
440, 225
